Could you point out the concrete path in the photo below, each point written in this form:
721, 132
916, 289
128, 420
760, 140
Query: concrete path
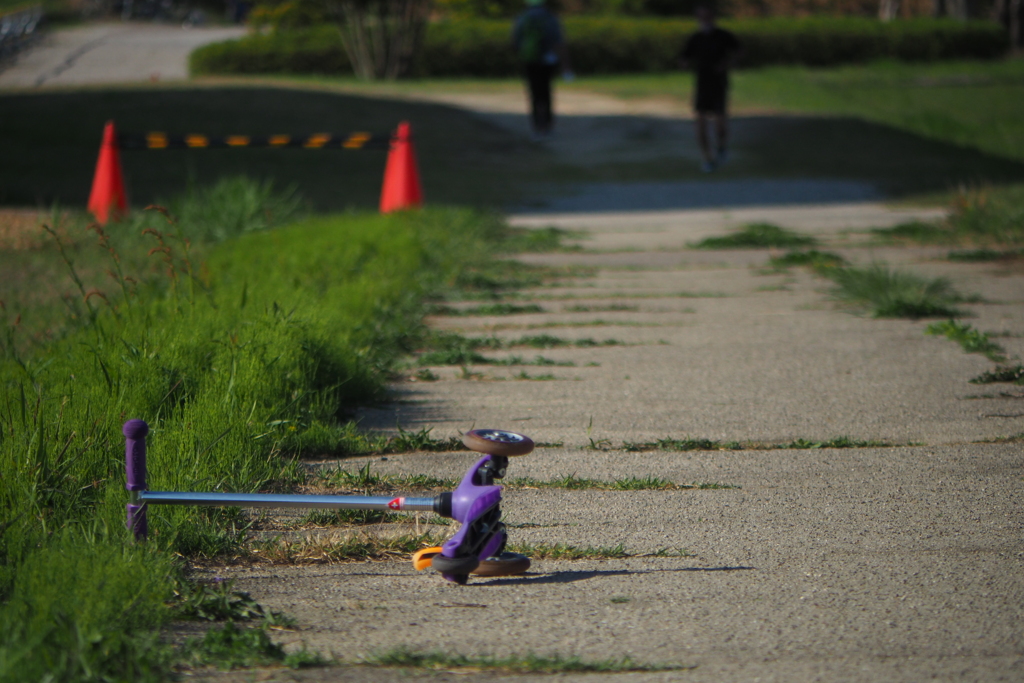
862, 564
110, 53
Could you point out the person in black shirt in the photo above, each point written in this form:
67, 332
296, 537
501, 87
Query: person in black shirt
710, 52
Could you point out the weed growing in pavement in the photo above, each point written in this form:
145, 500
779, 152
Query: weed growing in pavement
237, 647
233, 647
814, 259
670, 444
1002, 373
529, 663
757, 235
1013, 438
485, 309
914, 231
894, 293
547, 341
620, 599
214, 601
539, 240
468, 357
571, 481
607, 308
970, 339
984, 255
599, 322
409, 441
523, 375
371, 482
425, 375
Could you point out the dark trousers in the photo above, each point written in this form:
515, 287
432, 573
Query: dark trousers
538, 78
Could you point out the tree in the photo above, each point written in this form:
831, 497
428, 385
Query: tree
888, 9
381, 37
1010, 13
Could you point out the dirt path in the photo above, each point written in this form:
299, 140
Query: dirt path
858, 564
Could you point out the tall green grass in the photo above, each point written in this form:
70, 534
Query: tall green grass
231, 360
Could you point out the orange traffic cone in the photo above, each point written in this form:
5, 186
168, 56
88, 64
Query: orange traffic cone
402, 188
108, 183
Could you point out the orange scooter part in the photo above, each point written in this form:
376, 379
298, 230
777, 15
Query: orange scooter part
421, 558
509, 564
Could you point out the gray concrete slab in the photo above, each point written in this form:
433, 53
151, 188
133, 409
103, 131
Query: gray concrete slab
832, 565
646, 230
864, 564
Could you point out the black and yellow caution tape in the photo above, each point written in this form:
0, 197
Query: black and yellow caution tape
160, 140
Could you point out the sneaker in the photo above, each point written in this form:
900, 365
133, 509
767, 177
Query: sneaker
707, 166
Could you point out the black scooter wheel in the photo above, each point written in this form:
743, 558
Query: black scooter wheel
506, 564
455, 565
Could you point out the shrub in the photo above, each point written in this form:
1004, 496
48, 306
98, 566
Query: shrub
601, 45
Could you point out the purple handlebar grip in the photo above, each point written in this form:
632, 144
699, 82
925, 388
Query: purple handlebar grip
135, 432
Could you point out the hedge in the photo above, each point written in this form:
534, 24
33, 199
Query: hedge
600, 45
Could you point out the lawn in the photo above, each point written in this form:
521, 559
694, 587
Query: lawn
50, 143
979, 105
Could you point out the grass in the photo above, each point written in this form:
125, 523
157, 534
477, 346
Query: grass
464, 357
366, 481
913, 231
812, 258
523, 375
979, 215
50, 158
539, 240
486, 309
673, 444
1002, 373
895, 294
965, 103
342, 439
607, 308
237, 647
757, 236
969, 338
35, 286
984, 255
529, 663
648, 483
239, 363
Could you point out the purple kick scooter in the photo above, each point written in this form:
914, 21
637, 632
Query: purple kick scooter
478, 548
